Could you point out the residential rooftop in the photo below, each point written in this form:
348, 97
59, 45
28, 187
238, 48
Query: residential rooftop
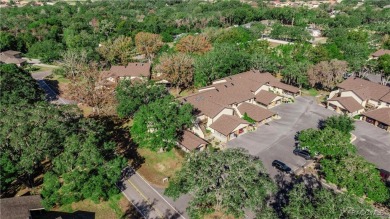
191, 141
366, 89
227, 123
349, 103
136, 69
382, 115
19, 207
255, 112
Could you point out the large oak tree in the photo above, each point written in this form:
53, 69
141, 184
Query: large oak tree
227, 181
198, 44
148, 44
159, 124
178, 69
131, 96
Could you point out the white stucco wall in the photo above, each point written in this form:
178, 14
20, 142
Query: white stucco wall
197, 130
219, 136
263, 87
240, 127
333, 93
373, 102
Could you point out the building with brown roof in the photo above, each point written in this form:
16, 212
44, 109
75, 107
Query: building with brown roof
367, 94
259, 114
20, 207
130, 71
379, 117
267, 99
245, 91
11, 57
345, 105
190, 142
380, 53
228, 127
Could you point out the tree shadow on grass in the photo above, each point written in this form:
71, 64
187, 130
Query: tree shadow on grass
63, 215
144, 209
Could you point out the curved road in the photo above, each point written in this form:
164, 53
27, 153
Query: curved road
51, 95
149, 201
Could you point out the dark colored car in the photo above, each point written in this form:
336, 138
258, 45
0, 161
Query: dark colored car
281, 166
303, 153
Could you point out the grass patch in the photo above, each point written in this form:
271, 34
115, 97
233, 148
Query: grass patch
59, 78
158, 166
116, 207
312, 92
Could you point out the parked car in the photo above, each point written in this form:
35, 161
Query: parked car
281, 166
302, 153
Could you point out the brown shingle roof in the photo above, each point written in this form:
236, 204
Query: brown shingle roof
284, 86
227, 123
382, 115
19, 207
9, 57
380, 52
232, 90
265, 97
365, 89
201, 101
349, 103
131, 70
386, 98
255, 112
191, 141
11, 52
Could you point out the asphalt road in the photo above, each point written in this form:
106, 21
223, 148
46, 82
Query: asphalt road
373, 144
51, 95
150, 202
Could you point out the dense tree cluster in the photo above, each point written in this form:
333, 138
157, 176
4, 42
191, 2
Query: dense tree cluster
308, 202
341, 165
227, 181
131, 96
159, 125
36, 137
123, 29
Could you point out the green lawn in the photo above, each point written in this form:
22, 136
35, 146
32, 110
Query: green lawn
116, 207
312, 92
158, 166
59, 78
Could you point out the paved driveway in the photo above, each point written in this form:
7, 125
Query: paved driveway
51, 95
276, 140
373, 144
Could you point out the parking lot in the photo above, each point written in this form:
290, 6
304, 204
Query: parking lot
276, 140
373, 144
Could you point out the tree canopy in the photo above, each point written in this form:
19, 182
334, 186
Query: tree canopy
88, 168
227, 181
340, 164
17, 86
178, 69
305, 202
159, 124
131, 96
